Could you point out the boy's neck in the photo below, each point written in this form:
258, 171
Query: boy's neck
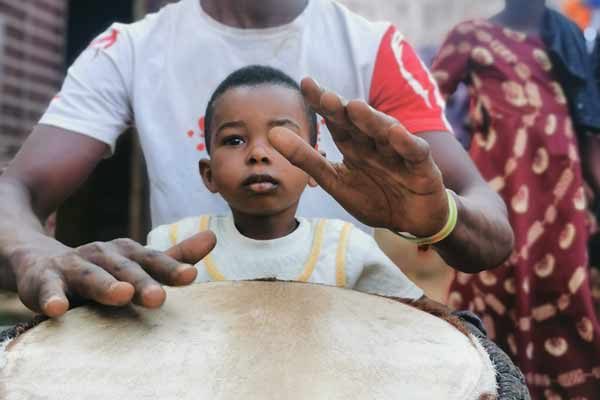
266, 227
253, 14
524, 16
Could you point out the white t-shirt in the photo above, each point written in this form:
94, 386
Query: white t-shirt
326, 251
159, 73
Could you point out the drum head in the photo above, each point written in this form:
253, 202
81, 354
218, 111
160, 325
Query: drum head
245, 340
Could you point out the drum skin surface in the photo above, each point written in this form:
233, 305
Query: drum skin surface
244, 340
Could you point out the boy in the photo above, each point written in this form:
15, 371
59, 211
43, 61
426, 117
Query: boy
263, 238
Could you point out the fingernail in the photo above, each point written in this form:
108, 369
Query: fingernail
184, 274
55, 306
118, 286
154, 296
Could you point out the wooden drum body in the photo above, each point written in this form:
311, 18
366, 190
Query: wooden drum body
246, 340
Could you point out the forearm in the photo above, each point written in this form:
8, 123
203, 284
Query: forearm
483, 238
18, 226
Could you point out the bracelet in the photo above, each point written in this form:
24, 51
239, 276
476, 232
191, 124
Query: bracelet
443, 233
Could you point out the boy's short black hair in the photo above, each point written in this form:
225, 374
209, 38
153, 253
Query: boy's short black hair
255, 75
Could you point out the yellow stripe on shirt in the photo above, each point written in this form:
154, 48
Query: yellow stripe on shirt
340, 257
309, 267
173, 233
208, 261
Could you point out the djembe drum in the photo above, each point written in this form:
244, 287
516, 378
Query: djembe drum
248, 340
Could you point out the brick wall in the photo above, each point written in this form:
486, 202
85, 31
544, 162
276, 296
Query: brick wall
32, 47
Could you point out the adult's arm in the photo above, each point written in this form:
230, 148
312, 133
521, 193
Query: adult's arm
393, 179
53, 163
483, 231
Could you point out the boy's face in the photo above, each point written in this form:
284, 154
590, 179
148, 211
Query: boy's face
244, 168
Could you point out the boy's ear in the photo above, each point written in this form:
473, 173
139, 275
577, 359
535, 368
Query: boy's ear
206, 174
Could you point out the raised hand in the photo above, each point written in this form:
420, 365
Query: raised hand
387, 178
113, 273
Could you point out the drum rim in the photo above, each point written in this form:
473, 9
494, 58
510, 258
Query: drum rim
14, 332
506, 387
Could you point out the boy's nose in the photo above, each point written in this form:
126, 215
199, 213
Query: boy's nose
259, 154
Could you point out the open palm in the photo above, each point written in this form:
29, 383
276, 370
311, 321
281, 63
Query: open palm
387, 177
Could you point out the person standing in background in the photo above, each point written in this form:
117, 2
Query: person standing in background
530, 89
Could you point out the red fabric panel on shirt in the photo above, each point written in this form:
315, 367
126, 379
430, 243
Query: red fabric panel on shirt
403, 88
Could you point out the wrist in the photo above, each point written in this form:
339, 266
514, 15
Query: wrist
18, 253
444, 232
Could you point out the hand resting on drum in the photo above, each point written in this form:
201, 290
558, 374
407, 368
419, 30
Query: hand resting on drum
51, 276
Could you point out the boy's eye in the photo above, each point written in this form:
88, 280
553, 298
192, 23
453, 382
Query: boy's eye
233, 141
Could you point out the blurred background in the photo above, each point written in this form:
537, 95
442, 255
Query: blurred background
39, 38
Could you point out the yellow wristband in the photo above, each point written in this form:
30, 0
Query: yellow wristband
444, 232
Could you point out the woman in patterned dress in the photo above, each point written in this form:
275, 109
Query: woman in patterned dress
537, 306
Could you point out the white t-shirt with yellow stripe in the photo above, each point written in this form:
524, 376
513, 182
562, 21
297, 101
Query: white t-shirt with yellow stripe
325, 251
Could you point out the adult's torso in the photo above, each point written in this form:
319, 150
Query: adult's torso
180, 57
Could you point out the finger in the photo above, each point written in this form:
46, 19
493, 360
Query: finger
193, 249
166, 269
312, 92
167, 266
302, 155
410, 147
148, 292
373, 124
116, 259
53, 301
158, 265
416, 154
330, 106
92, 282
333, 108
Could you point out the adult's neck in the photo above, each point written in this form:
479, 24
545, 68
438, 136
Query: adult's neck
253, 14
525, 16
266, 227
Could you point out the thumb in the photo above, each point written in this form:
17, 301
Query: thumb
193, 249
302, 155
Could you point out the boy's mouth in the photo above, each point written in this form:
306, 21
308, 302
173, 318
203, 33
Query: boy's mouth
260, 183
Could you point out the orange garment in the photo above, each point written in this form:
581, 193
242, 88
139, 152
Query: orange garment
578, 12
